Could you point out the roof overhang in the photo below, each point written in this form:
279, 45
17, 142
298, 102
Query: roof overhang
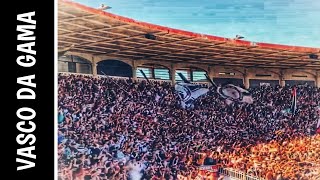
99, 33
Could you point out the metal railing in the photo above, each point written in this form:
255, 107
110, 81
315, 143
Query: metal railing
139, 79
235, 174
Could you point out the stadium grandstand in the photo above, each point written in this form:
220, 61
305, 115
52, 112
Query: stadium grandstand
119, 113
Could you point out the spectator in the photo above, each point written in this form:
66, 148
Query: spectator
119, 129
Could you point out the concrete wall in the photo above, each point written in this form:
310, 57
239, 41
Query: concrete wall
62, 66
246, 74
84, 68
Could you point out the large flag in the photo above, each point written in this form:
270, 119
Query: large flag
189, 92
234, 93
294, 101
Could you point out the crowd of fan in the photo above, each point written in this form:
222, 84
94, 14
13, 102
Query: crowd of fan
120, 129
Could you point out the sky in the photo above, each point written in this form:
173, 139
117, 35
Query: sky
290, 22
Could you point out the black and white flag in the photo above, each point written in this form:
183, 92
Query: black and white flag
189, 92
234, 93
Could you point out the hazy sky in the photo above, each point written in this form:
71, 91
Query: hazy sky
291, 22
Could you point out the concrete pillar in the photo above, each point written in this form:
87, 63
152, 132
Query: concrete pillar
211, 72
173, 75
94, 67
134, 71
78, 68
246, 81
282, 79
318, 80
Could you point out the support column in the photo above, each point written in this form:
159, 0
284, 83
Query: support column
78, 68
318, 80
211, 72
173, 75
134, 71
281, 78
282, 83
94, 67
246, 81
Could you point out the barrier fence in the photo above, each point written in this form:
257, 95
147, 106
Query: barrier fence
234, 174
119, 77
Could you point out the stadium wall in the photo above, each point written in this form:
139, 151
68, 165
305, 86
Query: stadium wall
250, 76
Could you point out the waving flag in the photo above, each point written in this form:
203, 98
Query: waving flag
234, 93
189, 92
294, 101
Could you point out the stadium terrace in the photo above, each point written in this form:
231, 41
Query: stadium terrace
121, 115
98, 37
25, 125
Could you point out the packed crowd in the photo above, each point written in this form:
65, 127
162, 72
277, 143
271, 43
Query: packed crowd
120, 129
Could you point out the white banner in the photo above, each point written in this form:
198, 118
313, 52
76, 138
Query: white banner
189, 92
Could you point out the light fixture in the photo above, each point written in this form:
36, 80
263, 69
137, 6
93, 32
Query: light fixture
104, 7
150, 36
238, 37
313, 56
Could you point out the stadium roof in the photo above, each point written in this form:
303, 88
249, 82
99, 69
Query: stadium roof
96, 32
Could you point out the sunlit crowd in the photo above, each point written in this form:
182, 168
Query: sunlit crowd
119, 129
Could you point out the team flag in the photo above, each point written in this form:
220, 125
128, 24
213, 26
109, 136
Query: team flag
234, 93
188, 93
